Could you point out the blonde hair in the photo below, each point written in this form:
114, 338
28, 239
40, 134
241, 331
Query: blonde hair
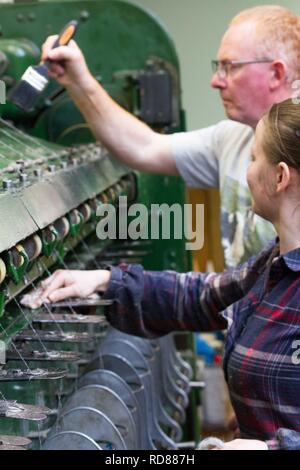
281, 138
278, 34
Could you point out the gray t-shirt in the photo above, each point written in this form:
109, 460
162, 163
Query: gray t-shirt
218, 156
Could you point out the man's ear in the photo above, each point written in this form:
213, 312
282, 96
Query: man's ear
283, 177
278, 74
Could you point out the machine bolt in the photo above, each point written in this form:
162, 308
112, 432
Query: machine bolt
51, 168
23, 177
6, 184
84, 15
38, 172
21, 163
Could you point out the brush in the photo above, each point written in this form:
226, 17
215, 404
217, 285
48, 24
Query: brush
36, 77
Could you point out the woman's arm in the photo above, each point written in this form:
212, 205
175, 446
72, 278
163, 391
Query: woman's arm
152, 304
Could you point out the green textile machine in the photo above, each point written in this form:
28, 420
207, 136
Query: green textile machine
67, 381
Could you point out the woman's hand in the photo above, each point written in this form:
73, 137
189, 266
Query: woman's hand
244, 444
233, 426
63, 284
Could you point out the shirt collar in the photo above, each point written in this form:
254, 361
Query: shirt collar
291, 258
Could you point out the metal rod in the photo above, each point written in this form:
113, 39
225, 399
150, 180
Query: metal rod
27, 136
30, 325
15, 348
49, 274
45, 305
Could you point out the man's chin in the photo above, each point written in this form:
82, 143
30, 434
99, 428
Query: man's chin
232, 114
260, 213
230, 111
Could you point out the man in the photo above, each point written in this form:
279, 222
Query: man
258, 61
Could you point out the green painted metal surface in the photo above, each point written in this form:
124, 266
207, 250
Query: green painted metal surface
118, 39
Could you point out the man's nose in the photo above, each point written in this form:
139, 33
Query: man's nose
217, 81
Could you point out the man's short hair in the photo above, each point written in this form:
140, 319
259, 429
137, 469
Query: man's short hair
278, 34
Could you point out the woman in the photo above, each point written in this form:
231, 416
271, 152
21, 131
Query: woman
260, 360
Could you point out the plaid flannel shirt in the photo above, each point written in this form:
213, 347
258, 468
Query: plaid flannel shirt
262, 351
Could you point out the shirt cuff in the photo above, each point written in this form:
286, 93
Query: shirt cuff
272, 444
114, 283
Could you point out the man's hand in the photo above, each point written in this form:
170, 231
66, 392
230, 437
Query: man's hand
64, 284
67, 64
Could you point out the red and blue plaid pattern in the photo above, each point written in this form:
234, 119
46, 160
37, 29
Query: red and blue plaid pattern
260, 359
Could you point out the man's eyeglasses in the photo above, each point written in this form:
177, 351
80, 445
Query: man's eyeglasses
223, 67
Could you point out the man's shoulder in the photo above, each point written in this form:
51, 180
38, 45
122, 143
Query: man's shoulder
233, 141
234, 128
220, 130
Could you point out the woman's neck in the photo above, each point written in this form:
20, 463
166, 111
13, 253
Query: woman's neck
288, 227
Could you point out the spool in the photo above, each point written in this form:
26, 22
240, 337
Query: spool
112, 194
62, 227
86, 211
94, 204
48, 235
17, 259
74, 217
130, 185
120, 187
2, 271
33, 247
103, 198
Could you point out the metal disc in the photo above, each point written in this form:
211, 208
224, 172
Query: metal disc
103, 399
14, 440
10, 447
70, 440
94, 424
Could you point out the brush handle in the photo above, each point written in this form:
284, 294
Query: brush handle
66, 34
64, 37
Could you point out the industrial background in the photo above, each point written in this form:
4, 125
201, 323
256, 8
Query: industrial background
68, 381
